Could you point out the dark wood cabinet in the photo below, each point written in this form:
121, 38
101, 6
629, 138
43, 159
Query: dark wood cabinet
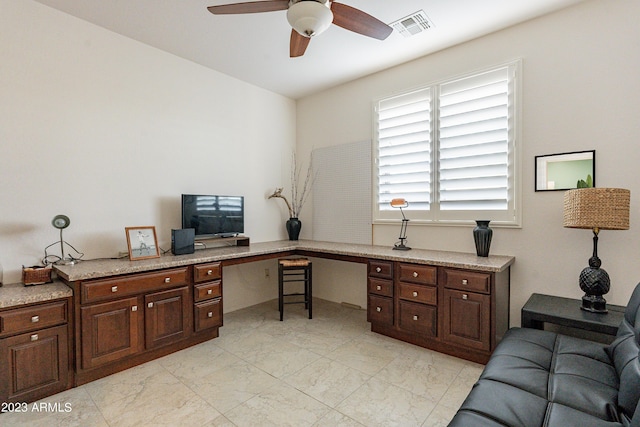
380, 306
455, 311
35, 351
417, 299
123, 321
110, 331
207, 303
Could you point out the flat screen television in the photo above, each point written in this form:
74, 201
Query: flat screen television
213, 216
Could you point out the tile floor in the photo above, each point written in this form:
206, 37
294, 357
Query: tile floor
329, 371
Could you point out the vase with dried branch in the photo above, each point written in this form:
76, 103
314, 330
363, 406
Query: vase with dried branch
299, 195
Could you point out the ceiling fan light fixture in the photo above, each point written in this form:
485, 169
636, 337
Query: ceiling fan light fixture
309, 18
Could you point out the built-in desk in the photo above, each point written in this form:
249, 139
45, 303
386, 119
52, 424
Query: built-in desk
129, 312
266, 250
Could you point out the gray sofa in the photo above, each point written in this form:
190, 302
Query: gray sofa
540, 378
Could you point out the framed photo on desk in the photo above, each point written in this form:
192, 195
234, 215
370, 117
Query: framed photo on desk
142, 242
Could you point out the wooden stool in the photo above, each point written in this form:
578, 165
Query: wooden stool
294, 270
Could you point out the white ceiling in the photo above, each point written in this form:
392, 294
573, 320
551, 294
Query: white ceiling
255, 47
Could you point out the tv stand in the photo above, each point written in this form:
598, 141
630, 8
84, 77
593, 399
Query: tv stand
223, 242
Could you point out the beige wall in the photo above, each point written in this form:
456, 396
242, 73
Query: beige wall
580, 92
110, 132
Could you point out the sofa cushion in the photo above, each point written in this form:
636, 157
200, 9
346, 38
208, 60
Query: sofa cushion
493, 404
559, 369
624, 353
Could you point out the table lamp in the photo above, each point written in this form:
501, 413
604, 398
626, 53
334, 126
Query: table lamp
596, 209
401, 203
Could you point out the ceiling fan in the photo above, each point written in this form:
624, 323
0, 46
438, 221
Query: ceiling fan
310, 18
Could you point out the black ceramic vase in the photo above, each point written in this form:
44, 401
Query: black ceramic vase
482, 236
293, 228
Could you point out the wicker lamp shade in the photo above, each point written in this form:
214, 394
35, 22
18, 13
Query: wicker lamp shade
597, 208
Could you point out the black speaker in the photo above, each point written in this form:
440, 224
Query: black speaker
182, 241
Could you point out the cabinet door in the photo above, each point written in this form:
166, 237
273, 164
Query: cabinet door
467, 319
34, 364
167, 316
110, 331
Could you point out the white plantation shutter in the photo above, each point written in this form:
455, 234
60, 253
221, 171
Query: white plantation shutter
474, 142
450, 150
404, 149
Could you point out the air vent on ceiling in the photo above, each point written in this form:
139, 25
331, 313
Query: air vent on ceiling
413, 24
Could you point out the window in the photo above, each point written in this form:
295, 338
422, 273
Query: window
450, 150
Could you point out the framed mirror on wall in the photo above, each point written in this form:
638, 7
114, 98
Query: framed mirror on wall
565, 171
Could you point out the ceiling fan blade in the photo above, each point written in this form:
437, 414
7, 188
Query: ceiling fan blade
298, 44
249, 7
355, 20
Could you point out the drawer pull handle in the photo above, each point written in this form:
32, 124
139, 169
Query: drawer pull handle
209, 272
415, 274
167, 280
34, 337
465, 296
209, 291
134, 308
415, 294
114, 289
465, 282
415, 317
35, 319
378, 269
150, 305
210, 314
378, 288
378, 309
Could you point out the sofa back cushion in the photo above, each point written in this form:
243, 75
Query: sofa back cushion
624, 353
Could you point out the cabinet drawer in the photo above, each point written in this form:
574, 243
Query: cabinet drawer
206, 272
208, 314
382, 269
380, 287
467, 280
418, 293
414, 273
34, 317
419, 318
207, 291
98, 290
380, 310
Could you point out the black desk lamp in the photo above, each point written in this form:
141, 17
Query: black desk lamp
401, 203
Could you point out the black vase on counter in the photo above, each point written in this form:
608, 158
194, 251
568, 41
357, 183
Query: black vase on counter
482, 236
294, 225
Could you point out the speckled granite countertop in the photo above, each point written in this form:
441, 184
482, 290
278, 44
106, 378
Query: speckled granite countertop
16, 294
110, 267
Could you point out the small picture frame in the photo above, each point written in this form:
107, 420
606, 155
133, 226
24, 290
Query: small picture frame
566, 171
142, 242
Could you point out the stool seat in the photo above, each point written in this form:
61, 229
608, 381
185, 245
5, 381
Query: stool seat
294, 262
295, 270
